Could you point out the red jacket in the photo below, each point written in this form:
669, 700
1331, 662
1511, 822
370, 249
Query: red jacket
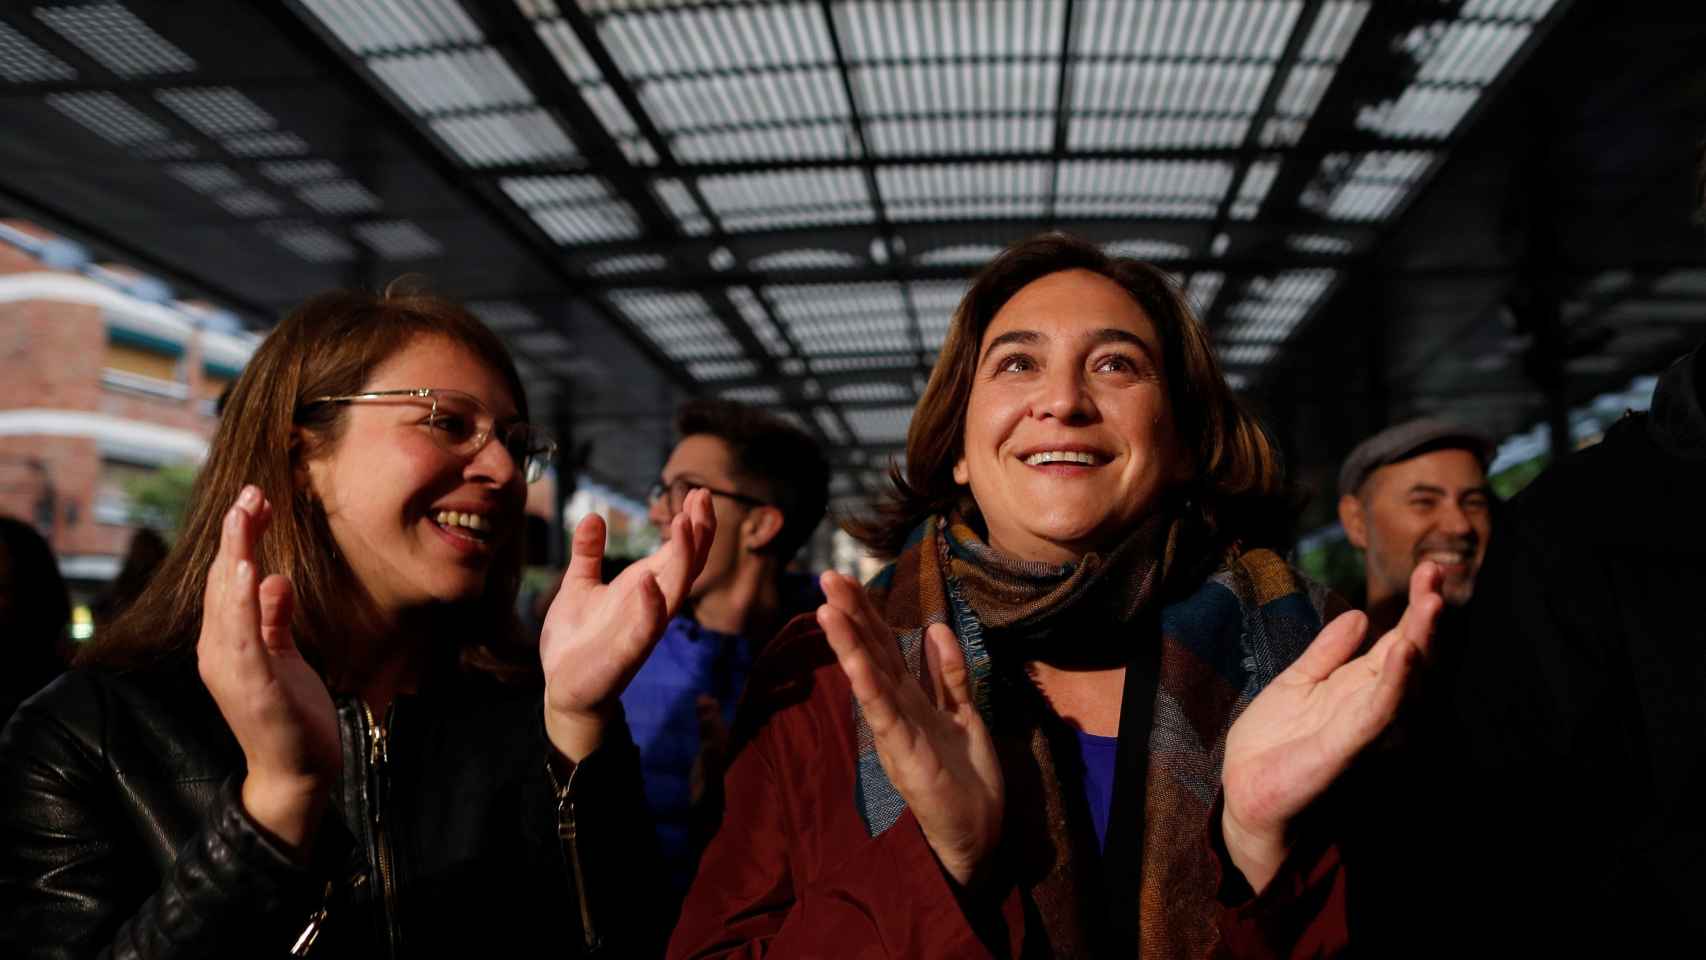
793, 872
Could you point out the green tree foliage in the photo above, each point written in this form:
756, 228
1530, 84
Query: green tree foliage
160, 499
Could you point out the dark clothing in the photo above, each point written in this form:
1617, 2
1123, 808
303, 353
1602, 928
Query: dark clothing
122, 833
1583, 689
691, 661
795, 873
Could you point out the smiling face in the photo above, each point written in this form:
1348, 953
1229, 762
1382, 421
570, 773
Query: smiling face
1069, 439
416, 523
1430, 507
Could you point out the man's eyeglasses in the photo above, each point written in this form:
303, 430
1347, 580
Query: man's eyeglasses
462, 424
678, 489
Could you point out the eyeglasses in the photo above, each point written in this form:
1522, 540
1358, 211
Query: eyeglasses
462, 424
678, 489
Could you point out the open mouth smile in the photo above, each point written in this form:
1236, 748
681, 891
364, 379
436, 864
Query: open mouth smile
1070, 458
463, 529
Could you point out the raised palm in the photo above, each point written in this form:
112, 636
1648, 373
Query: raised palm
1306, 727
596, 635
932, 744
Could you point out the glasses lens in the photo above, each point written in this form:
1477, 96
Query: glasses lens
458, 422
531, 449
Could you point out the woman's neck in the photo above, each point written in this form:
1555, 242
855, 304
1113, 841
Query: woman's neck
1087, 698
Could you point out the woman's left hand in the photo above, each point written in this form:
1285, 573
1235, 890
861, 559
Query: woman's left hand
1304, 729
596, 635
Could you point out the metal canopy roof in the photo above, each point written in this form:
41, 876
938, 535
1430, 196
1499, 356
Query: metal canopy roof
774, 201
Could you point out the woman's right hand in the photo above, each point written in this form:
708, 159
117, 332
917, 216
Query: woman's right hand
275, 703
933, 745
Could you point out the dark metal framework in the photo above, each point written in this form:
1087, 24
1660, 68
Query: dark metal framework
779, 200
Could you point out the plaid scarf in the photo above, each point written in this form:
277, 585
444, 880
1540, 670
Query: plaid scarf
1221, 640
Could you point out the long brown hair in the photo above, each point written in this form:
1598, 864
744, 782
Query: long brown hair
329, 346
1236, 486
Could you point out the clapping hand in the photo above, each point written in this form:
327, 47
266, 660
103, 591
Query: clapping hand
274, 702
596, 635
1307, 726
932, 744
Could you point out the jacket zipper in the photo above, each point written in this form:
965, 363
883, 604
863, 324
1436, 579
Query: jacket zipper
379, 756
567, 833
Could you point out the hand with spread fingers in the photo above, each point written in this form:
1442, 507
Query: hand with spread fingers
597, 635
1307, 726
932, 743
275, 703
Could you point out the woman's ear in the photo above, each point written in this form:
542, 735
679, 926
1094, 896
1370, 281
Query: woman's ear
301, 447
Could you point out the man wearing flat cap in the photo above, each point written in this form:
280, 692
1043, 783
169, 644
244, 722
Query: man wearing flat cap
1412, 492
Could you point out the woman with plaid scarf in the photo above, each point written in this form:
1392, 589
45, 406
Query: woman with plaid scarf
1083, 712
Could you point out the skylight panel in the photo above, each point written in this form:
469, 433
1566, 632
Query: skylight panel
628, 264
444, 81
1335, 28
679, 201
960, 255
1425, 112
366, 27
1507, 9
796, 198
1144, 248
312, 243
1365, 187
397, 239
587, 223
517, 136
935, 302
944, 192
679, 322
1202, 288
844, 318
974, 78
1274, 306
1469, 52
946, 134
22, 61
757, 319
109, 117
279, 143
807, 258
1320, 243
504, 316
1189, 189
216, 111
248, 203
881, 30
705, 370
717, 39
747, 99
339, 197
533, 192
816, 141
756, 396
880, 424
542, 344
831, 427
1258, 180
116, 39
566, 47
204, 177
870, 391
1246, 355
293, 172
1157, 29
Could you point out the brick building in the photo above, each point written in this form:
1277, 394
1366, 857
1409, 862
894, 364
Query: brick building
103, 377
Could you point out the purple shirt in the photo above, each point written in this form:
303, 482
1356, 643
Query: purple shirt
1098, 754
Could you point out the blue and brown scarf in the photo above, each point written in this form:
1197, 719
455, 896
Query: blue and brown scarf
1199, 641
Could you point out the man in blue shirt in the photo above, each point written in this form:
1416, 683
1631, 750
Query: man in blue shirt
769, 485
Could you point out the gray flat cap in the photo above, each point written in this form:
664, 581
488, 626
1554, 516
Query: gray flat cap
1405, 440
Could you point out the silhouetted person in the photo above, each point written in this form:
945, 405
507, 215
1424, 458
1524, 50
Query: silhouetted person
34, 611
144, 555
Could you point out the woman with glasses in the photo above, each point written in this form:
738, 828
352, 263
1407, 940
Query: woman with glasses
315, 733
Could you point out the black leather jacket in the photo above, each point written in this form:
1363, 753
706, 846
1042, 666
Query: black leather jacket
121, 834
